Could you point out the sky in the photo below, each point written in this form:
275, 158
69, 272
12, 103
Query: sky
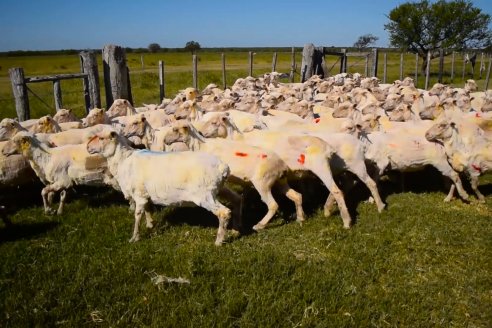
91, 24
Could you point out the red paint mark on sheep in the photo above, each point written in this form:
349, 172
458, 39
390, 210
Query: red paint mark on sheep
476, 168
316, 120
240, 154
262, 156
301, 159
477, 115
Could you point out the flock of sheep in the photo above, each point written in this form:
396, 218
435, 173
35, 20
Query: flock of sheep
258, 132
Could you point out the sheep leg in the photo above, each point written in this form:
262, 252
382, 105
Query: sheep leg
139, 211
149, 222
450, 195
237, 201
373, 188
294, 196
267, 198
47, 199
329, 207
322, 170
474, 185
448, 171
63, 195
222, 213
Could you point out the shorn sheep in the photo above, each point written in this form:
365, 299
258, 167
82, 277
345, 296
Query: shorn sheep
163, 178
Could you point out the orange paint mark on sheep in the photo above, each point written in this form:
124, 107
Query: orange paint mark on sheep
240, 154
301, 159
392, 145
478, 115
262, 156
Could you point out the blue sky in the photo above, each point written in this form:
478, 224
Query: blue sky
77, 24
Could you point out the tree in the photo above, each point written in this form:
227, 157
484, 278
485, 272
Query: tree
154, 47
192, 46
365, 41
420, 27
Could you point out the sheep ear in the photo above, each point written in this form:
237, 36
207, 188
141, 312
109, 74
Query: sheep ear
113, 134
453, 125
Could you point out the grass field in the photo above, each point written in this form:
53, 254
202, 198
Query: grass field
420, 263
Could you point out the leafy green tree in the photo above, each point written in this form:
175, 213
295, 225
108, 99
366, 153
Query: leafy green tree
192, 46
154, 47
422, 26
365, 41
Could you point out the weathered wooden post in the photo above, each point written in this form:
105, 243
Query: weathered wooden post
375, 53
116, 74
488, 75
307, 62
162, 91
292, 65
19, 89
250, 63
427, 70
366, 67
195, 72
224, 81
343, 62
142, 61
452, 67
385, 64
401, 66
274, 62
482, 65
57, 95
416, 80
88, 65
441, 65
464, 68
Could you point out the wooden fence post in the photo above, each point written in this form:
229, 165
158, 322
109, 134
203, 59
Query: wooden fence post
92, 95
427, 70
488, 75
224, 81
195, 72
401, 66
292, 65
366, 67
385, 64
441, 65
416, 69
452, 67
482, 65
464, 69
250, 63
343, 63
116, 74
19, 89
307, 62
162, 91
375, 53
274, 62
57, 93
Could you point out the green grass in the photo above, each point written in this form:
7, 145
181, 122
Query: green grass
178, 74
420, 263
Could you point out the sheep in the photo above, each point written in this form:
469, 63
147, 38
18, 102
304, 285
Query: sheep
467, 151
189, 177
263, 168
65, 115
120, 107
14, 169
61, 168
9, 127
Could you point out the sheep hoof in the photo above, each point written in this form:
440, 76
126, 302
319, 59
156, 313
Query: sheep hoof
49, 211
381, 208
134, 239
258, 227
149, 225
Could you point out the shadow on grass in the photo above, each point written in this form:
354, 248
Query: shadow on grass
18, 231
